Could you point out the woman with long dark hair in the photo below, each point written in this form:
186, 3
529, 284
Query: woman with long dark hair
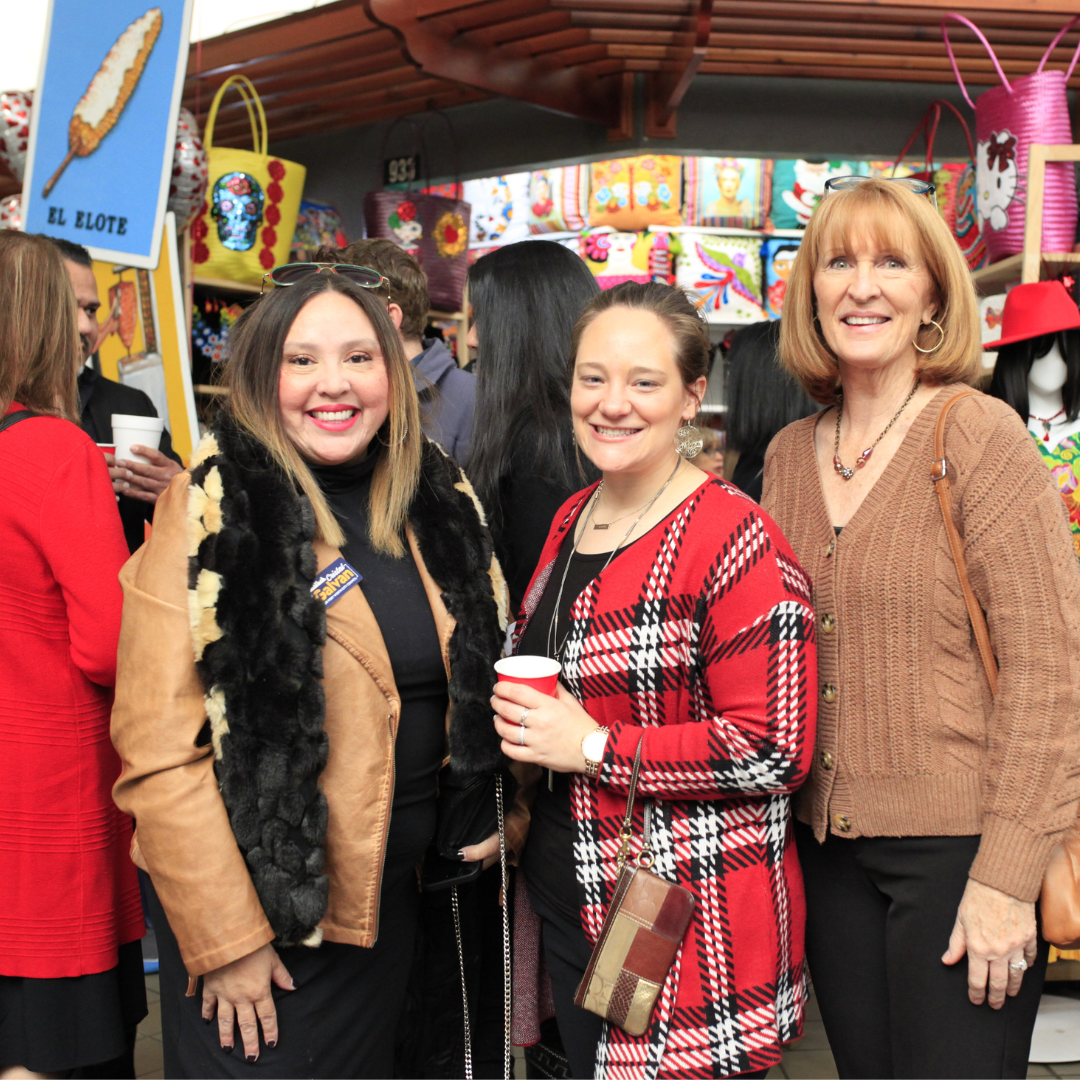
762, 398
526, 298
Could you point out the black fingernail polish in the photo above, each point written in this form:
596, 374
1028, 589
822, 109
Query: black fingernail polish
227, 1049
271, 1044
252, 1058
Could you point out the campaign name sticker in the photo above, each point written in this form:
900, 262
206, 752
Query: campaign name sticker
334, 582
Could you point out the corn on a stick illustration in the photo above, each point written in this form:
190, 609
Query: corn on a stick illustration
100, 107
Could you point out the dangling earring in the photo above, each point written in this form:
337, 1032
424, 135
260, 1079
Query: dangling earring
688, 441
941, 340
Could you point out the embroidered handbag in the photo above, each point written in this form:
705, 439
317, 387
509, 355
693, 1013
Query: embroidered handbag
1008, 119
1059, 902
246, 224
643, 929
433, 228
954, 183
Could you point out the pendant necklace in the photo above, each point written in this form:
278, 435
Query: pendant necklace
608, 524
864, 457
1046, 423
554, 646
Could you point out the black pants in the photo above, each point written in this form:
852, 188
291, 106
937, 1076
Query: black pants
340, 1021
879, 914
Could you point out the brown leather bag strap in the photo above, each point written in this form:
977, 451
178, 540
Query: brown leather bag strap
940, 475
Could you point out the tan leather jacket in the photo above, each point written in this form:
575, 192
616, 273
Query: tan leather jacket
183, 836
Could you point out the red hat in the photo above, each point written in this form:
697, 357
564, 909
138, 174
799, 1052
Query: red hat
1042, 307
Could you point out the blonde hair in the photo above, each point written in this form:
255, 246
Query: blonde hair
885, 211
39, 328
256, 344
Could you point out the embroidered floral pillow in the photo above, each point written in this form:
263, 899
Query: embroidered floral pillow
630, 194
723, 274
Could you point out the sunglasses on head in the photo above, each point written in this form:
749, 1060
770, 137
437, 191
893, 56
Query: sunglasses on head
291, 273
917, 187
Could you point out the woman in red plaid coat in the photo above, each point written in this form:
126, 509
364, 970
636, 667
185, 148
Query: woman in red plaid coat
682, 621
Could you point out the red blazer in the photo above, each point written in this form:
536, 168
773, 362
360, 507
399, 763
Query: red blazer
70, 894
700, 640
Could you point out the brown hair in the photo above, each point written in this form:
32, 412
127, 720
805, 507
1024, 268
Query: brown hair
39, 328
693, 348
408, 283
887, 211
252, 372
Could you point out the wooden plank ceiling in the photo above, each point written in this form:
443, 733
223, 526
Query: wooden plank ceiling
358, 61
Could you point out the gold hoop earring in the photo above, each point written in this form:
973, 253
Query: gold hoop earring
941, 340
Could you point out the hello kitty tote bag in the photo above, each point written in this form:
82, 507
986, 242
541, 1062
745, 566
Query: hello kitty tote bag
1008, 119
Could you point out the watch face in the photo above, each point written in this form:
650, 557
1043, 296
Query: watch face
593, 745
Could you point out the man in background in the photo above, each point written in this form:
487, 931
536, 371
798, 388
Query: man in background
137, 484
447, 394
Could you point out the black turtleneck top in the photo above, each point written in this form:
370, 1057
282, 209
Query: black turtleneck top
396, 594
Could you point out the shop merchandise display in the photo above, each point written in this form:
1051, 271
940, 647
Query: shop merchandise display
734, 192
615, 257
1008, 119
798, 186
777, 258
318, 225
559, 199
500, 208
628, 194
990, 311
954, 184
725, 273
11, 212
15, 107
246, 224
190, 171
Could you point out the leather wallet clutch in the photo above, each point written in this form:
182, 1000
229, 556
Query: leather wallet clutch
645, 924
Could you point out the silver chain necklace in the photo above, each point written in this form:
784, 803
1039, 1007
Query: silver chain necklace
555, 647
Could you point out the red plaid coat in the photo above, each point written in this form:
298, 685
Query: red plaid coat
700, 637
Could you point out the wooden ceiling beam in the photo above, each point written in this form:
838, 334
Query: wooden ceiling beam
1026, 16
345, 50
311, 95
493, 71
785, 40
831, 71
299, 31
536, 25
479, 17
339, 121
287, 113
544, 45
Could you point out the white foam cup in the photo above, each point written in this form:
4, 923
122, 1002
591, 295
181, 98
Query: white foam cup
135, 430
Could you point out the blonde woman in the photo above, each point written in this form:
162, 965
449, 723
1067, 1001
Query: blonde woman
311, 623
932, 806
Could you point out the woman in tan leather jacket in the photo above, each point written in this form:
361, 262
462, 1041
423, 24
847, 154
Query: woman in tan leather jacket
310, 626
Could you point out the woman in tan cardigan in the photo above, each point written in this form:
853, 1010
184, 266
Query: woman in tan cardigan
932, 807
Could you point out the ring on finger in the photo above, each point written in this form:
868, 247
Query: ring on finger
1020, 965
521, 735
525, 712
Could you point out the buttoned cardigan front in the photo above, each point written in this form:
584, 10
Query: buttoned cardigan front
910, 740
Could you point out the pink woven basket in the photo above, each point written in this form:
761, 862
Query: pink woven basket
1008, 119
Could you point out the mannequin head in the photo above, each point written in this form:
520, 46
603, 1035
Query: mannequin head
1050, 363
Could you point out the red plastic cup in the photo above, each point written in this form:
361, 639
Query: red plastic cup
536, 671
106, 448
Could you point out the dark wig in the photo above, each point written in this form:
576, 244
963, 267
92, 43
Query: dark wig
526, 298
762, 397
1010, 380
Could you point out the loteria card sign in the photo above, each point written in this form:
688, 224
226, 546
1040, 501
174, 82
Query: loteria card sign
104, 125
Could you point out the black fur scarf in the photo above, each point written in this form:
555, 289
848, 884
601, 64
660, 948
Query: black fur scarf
258, 636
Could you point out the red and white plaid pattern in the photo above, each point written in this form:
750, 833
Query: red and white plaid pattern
700, 638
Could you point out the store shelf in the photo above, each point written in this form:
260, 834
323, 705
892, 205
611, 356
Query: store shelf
228, 286
994, 278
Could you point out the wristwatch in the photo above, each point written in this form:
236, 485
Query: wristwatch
592, 746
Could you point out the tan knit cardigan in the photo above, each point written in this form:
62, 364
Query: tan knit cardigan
910, 741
